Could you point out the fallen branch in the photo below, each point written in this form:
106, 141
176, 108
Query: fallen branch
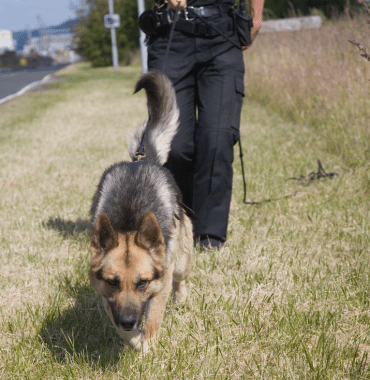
365, 54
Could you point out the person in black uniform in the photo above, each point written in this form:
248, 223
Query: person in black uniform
207, 71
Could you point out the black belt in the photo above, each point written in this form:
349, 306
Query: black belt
188, 22
202, 29
206, 11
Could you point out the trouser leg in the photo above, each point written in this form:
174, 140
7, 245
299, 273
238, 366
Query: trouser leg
180, 62
181, 158
220, 97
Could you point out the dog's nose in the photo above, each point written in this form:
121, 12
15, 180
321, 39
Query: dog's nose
127, 322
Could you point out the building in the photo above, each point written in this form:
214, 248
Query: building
7, 43
48, 44
23, 36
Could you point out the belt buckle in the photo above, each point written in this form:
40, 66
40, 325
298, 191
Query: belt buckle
186, 14
202, 11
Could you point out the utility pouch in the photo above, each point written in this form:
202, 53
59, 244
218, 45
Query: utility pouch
243, 23
148, 22
152, 19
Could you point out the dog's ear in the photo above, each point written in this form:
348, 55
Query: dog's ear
150, 234
104, 238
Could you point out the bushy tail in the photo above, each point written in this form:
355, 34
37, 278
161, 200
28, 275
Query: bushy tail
163, 118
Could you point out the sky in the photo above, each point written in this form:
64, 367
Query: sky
15, 14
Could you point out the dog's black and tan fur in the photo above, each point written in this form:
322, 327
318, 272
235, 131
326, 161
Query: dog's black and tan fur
142, 239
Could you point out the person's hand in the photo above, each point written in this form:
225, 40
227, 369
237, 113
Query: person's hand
257, 6
173, 4
254, 32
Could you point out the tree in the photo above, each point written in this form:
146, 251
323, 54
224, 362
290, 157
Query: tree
93, 39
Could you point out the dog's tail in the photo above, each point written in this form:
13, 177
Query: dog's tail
163, 121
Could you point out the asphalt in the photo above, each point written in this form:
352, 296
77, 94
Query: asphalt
13, 80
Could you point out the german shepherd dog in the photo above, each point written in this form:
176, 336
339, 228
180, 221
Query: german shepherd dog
142, 239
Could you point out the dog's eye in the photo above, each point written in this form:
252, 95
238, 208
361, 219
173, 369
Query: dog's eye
113, 283
142, 284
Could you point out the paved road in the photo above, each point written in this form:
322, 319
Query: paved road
13, 81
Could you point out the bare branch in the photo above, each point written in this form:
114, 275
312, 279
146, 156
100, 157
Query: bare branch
365, 6
365, 54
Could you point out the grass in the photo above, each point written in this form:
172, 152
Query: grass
286, 298
318, 79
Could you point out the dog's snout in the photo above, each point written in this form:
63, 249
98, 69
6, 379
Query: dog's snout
127, 321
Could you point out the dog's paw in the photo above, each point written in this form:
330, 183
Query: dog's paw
148, 345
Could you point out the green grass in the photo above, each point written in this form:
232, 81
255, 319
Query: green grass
286, 298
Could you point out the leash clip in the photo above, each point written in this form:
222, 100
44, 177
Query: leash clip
172, 14
139, 156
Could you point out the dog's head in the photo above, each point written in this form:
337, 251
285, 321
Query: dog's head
127, 269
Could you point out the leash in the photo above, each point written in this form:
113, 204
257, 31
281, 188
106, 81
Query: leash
313, 176
140, 154
171, 37
321, 173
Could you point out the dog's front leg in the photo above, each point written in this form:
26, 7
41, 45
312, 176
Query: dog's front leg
155, 311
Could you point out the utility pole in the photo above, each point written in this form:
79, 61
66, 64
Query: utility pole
29, 34
41, 34
111, 23
143, 47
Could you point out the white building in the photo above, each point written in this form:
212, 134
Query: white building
6, 41
49, 44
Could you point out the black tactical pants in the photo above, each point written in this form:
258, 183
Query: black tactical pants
207, 73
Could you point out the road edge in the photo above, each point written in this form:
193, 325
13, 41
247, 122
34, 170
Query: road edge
44, 80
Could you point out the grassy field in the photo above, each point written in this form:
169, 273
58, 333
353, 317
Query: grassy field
286, 298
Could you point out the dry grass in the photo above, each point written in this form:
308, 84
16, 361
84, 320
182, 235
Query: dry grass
363, 50
317, 79
288, 296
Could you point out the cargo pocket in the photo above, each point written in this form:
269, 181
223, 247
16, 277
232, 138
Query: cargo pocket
227, 137
236, 109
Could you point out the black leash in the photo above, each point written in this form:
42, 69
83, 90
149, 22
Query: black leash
171, 37
313, 176
321, 173
140, 154
245, 184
